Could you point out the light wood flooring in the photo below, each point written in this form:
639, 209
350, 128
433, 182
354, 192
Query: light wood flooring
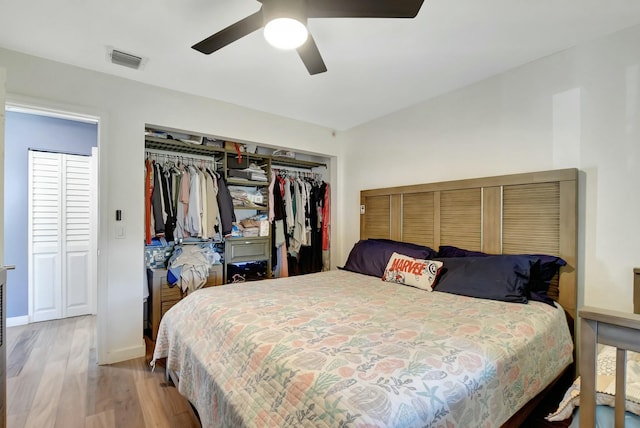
53, 381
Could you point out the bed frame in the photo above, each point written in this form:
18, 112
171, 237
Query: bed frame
613, 328
512, 214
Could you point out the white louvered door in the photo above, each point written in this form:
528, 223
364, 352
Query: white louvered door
60, 264
76, 215
45, 232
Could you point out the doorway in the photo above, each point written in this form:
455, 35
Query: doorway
30, 129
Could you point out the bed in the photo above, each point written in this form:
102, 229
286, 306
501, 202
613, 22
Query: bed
342, 348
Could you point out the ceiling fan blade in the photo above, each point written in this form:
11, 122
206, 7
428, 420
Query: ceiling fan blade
363, 8
230, 34
311, 57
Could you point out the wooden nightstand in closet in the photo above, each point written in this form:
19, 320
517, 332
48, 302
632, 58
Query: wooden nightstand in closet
162, 297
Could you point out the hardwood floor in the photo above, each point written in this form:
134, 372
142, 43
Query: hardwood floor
53, 380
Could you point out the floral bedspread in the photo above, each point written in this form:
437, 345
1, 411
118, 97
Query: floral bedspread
340, 349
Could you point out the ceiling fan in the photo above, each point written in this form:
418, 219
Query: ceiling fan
285, 23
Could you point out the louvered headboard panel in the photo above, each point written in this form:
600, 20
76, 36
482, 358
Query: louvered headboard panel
417, 218
376, 221
512, 214
461, 218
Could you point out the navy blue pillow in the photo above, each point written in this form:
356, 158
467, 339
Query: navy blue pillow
451, 251
503, 277
549, 266
540, 276
370, 256
407, 245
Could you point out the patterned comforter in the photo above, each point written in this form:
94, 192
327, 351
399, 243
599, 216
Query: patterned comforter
340, 349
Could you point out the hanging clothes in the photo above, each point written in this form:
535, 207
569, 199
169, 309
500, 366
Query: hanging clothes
213, 218
296, 228
193, 220
297, 205
315, 220
182, 207
272, 184
148, 193
156, 201
181, 201
169, 211
204, 213
288, 205
326, 228
225, 205
279, 229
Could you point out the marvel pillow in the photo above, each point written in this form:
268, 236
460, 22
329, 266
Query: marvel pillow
370, 256
406, 270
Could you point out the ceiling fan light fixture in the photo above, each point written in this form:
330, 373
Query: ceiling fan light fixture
285, 21
285, 33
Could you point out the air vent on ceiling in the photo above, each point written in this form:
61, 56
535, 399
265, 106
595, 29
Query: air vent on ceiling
125, 59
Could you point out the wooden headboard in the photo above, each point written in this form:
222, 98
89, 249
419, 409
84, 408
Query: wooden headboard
530, 213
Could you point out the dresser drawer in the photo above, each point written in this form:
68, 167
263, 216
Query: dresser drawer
162, 297
170, 293
246, 249
166, 305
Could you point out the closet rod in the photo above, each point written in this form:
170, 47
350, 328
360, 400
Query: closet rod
295, 169
180, 155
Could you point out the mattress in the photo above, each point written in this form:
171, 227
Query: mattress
343, 349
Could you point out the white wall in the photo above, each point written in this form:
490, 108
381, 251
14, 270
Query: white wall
579, 108
125, 107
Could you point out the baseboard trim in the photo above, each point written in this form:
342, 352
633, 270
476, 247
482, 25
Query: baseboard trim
125, 354
16, 321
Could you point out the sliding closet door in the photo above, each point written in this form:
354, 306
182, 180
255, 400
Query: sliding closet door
59, 235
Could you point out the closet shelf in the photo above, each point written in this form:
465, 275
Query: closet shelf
250, 207
246, 183
182, 147
297, 163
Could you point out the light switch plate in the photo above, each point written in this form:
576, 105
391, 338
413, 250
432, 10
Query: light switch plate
121, 231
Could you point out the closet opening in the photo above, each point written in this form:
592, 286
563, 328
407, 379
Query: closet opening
244, 211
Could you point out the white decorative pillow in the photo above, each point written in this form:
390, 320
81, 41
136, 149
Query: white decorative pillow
605, 385
406, 270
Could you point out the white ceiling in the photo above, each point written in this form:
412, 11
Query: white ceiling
375, 66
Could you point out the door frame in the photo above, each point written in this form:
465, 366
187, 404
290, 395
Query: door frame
16, 102
3, 74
